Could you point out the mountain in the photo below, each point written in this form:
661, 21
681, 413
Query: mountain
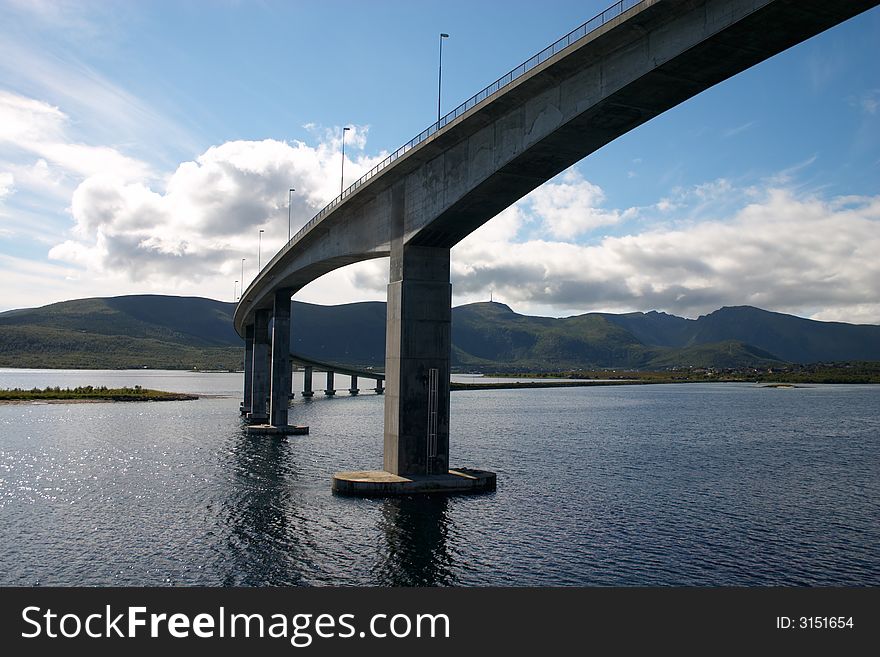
790, 338
132, 331
190, 332
491, 333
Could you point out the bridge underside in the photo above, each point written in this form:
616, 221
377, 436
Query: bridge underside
653, 57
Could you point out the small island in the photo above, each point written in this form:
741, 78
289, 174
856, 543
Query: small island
91, 393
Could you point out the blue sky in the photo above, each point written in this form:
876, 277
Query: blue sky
144, 144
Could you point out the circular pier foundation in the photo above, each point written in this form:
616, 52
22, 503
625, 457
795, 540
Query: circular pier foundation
272, 430
368, 483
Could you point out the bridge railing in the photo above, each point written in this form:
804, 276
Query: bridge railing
561, 44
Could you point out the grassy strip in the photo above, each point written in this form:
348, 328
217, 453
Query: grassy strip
513, 385
845, 372
102, 393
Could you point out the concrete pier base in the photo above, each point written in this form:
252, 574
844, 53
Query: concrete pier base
272, 430
280, 376
330, 390
260, 370
380, 483
307, 383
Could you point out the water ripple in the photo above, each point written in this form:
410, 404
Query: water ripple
644, 485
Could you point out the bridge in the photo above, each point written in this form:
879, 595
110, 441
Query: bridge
309, 367
613, 73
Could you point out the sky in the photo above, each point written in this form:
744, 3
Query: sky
145, 145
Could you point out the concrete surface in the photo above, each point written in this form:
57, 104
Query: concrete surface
371, 483
273, 430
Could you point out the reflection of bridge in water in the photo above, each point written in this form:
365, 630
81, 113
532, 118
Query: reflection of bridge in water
617, 71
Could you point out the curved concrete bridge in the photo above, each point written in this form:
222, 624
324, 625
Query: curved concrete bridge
608, 76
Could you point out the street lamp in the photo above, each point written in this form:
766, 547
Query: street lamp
242, 275
443, 35
289, 193
342, 173
259, 249
235, 291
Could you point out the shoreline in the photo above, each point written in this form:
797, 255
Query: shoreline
40, 402
586, 383
89, 394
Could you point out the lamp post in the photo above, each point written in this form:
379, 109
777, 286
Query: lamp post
259, 254
443, 35
235, 291
342, 171
289, 193
242, 275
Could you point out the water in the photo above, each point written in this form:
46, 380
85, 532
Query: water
698, 484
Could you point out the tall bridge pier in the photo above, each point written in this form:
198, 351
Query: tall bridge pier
418, 350
271, 369
417, 355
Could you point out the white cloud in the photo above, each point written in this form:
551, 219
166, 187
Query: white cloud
26, 120
7, 184
572, 207
39, 129
870, 101
781, 252
732, 132
208, 215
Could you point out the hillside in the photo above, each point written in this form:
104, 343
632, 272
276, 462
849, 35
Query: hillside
190, 332
140, 331
792, 339
491, 333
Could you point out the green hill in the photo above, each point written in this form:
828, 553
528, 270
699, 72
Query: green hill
189, 332
122, 332
492, 334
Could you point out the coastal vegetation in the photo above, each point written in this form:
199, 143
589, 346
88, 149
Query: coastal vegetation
91, 393
843, 372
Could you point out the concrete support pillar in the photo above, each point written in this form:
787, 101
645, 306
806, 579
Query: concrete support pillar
380, 386
307, 382
260, 368
353, 390
248, 367
417, 357
330, 390
280, 390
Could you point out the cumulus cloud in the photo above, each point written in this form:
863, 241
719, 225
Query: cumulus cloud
780, 251
572, 207
713, 244
207, 215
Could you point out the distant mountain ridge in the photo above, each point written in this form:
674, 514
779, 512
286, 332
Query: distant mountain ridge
793, 339
191, 332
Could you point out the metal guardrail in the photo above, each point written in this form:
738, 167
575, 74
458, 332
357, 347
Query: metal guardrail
569, 39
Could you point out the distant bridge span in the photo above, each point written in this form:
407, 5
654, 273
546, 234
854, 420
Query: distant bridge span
311, 365
624, 67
